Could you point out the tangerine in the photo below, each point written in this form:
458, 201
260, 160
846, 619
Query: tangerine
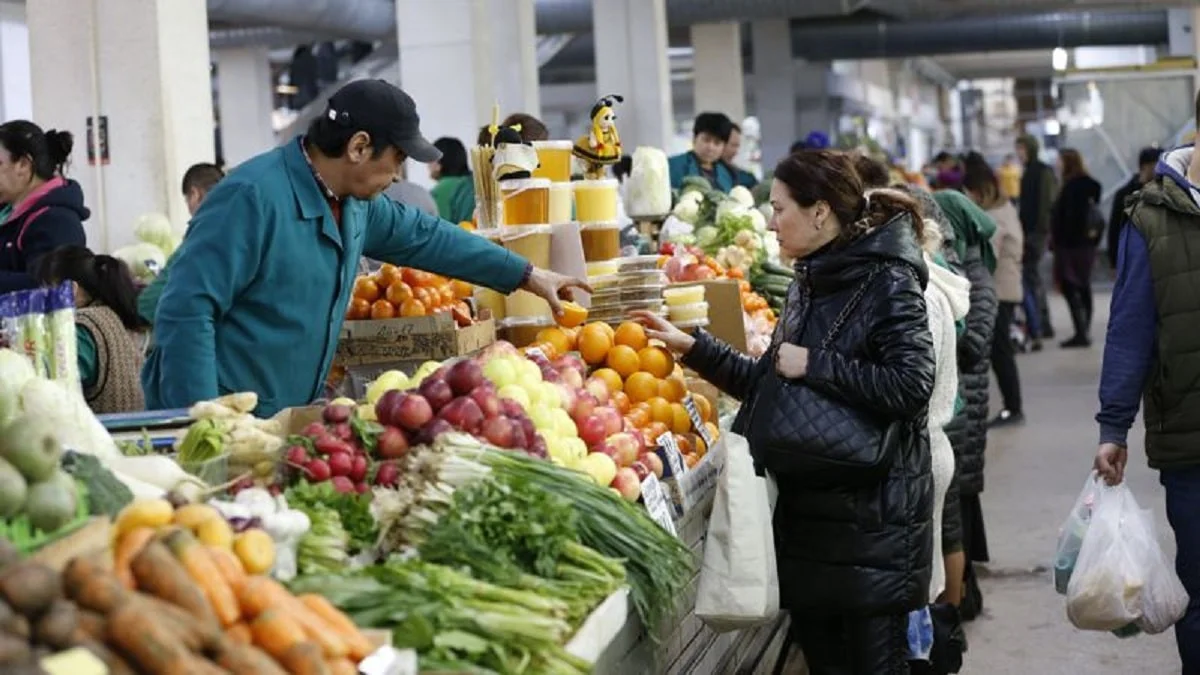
681, 423
656, 361
620, 401
637, 417
704, 407
684, 443
632, 335
573, 314
555, 337
387, 275
398, 292
612, 379
673, 389
698, 444
413, 307
594, 343
623, 359
447, 293
572, 335
462, 289
382, 309
660, 411
428, 298
367, 289
653, 431
358, 309
641, 387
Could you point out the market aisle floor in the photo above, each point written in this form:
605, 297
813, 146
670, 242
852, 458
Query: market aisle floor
1033, 475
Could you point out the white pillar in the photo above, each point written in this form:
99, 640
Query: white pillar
458, 58
16, 89
631, 60
774, 88
717, 64
245, 103
143, 66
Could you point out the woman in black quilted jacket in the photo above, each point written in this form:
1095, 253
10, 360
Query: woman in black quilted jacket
852, 356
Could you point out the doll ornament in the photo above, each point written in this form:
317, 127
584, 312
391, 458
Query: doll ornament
602, 145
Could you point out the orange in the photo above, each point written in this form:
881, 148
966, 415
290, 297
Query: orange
637, 417
654, 430
382, 309
462, 289
660, 411
415, 277
632, 335
556, 337
698, 444
447, 293
412, 307
572, 335
573, 314
713, 432
673, 389
387, 275
641, 387
656, 361
704, 407
427, 296
612, 379
620, 401
612, 334
398, 292
366, 288
622, 359
594, 343
680, 422
685, 444
358, 309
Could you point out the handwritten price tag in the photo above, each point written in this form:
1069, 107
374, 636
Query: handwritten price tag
689, 404
656, 503
674, 458
535, 353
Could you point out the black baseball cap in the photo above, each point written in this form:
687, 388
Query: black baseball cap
383, 110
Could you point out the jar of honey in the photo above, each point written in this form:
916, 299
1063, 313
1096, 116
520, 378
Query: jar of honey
601, 241
555, 160
562, 201
531, 242
526, 201
596, 200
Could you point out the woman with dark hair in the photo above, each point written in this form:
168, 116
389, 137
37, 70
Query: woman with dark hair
1076, 226
982, 185
46, 209
110, 333
854, 545
454, 191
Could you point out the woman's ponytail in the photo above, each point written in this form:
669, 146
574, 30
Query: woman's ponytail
59, 145
116, 290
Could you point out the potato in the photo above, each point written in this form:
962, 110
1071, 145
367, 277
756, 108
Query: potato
30, 587
56, 628
13, 651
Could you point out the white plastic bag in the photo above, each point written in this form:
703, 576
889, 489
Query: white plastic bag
1070, 535
1122, 575
739, 584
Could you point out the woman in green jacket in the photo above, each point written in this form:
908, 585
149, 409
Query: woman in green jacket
454, 192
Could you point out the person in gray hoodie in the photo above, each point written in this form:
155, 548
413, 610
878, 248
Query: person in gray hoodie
1039, 187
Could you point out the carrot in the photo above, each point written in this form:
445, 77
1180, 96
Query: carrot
268, 593
304, 658
239, 633
127, 547
194, 665
201, 568
275, 633
229, 566
92, 624
148, 642
356, 642
160, 575
197, 635
341, 667
247, 660
91, 586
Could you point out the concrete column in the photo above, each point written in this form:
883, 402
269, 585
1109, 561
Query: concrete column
16, 89
485, 51
143, 66
631, 60
245, 103
775, 88
717, 67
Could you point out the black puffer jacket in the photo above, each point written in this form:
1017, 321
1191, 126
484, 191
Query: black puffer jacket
968, 430
51, 217
853, 551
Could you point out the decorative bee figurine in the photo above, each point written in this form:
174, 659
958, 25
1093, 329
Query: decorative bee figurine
602, 144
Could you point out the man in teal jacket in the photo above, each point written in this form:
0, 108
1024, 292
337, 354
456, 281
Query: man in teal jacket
258, 291
710, 133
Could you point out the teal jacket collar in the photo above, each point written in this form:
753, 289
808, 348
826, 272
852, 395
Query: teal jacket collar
311, 202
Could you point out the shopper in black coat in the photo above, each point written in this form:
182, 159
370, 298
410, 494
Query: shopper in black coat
47, 210
1076, 227
853, 558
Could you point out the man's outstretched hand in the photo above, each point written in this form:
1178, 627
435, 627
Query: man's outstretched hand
1110, 462
553, 286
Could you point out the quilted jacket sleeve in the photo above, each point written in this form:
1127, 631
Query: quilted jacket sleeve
897, 380
975, 345
726, 368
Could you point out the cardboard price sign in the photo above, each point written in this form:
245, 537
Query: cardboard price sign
674, 459
689, 404
656, 504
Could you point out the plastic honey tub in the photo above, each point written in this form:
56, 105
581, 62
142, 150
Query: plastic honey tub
683, 295
596, 200
526, 201
555, 160
601, 241
562, 201
602, 268
687, 313
531, 242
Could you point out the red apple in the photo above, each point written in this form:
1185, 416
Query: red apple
341, 464
388, 475
498, 348
598, 388
498, 431
591, 430
627, 448
520, 439
336, 414
550, 375
314, 430
585, 405
570, 377
510, 408
639, 467
567, 394
387, 406
431, 431
485, 396
342, 484
411, 412
539, 359
538, 448
437, 392
317, 470
613, 422
571, 361
604, 449
464, 376
464, 413
392, 444
628, 484
652, 462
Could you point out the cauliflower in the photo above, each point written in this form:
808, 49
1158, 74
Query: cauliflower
771, 244
155, 228
742, 195
759, 219
688, 208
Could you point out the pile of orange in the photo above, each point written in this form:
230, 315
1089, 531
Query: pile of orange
406, 292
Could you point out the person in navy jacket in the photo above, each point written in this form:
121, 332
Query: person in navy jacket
710, 133
44, 209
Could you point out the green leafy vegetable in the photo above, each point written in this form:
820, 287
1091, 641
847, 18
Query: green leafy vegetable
353, 510
105, 494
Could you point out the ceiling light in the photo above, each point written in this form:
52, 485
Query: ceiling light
1058, 58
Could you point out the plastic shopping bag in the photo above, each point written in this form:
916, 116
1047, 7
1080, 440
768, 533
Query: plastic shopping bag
1122, 575
40, 323
739, 584
1070, 535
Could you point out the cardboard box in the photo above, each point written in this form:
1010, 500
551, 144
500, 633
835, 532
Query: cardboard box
726, 319
423, 338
